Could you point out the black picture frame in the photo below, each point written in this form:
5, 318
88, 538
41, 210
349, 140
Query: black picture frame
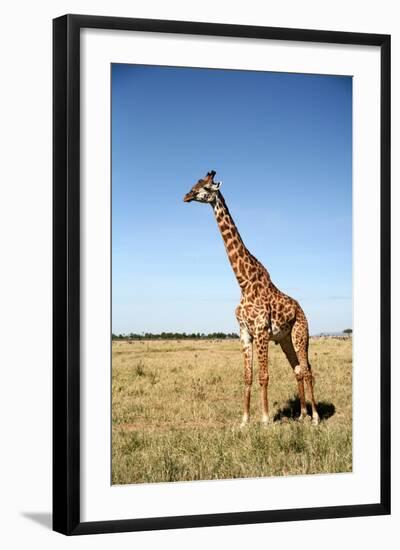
66, 273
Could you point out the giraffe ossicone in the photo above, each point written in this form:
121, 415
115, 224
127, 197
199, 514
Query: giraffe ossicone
264, 313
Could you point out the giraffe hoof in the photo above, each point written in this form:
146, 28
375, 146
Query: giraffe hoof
265, 421
304, 418
315, 420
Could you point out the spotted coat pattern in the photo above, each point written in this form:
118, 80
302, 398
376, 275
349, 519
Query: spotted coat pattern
264, 313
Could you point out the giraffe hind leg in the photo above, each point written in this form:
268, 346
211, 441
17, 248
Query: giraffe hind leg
300, 343
289, 351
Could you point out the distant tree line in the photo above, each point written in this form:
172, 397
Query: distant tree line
175, 336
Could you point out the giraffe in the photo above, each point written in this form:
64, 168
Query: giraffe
264, 313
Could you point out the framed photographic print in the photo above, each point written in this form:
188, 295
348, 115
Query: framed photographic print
221, 274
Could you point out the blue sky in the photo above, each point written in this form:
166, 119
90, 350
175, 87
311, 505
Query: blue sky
282, 146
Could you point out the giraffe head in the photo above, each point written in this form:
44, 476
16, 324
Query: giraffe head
205, 190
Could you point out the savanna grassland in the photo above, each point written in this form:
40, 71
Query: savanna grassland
176, 412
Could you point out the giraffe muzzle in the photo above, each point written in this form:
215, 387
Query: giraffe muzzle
188, 197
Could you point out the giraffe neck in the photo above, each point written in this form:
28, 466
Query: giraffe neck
244, 265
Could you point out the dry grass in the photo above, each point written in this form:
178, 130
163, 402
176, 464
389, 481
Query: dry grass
177, 409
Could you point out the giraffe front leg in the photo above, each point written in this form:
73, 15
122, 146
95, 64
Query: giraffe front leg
247, 346
262, 341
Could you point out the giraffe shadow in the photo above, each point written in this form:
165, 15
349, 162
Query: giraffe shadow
291, 410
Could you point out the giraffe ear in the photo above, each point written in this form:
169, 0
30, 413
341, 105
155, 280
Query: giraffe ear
216, 185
